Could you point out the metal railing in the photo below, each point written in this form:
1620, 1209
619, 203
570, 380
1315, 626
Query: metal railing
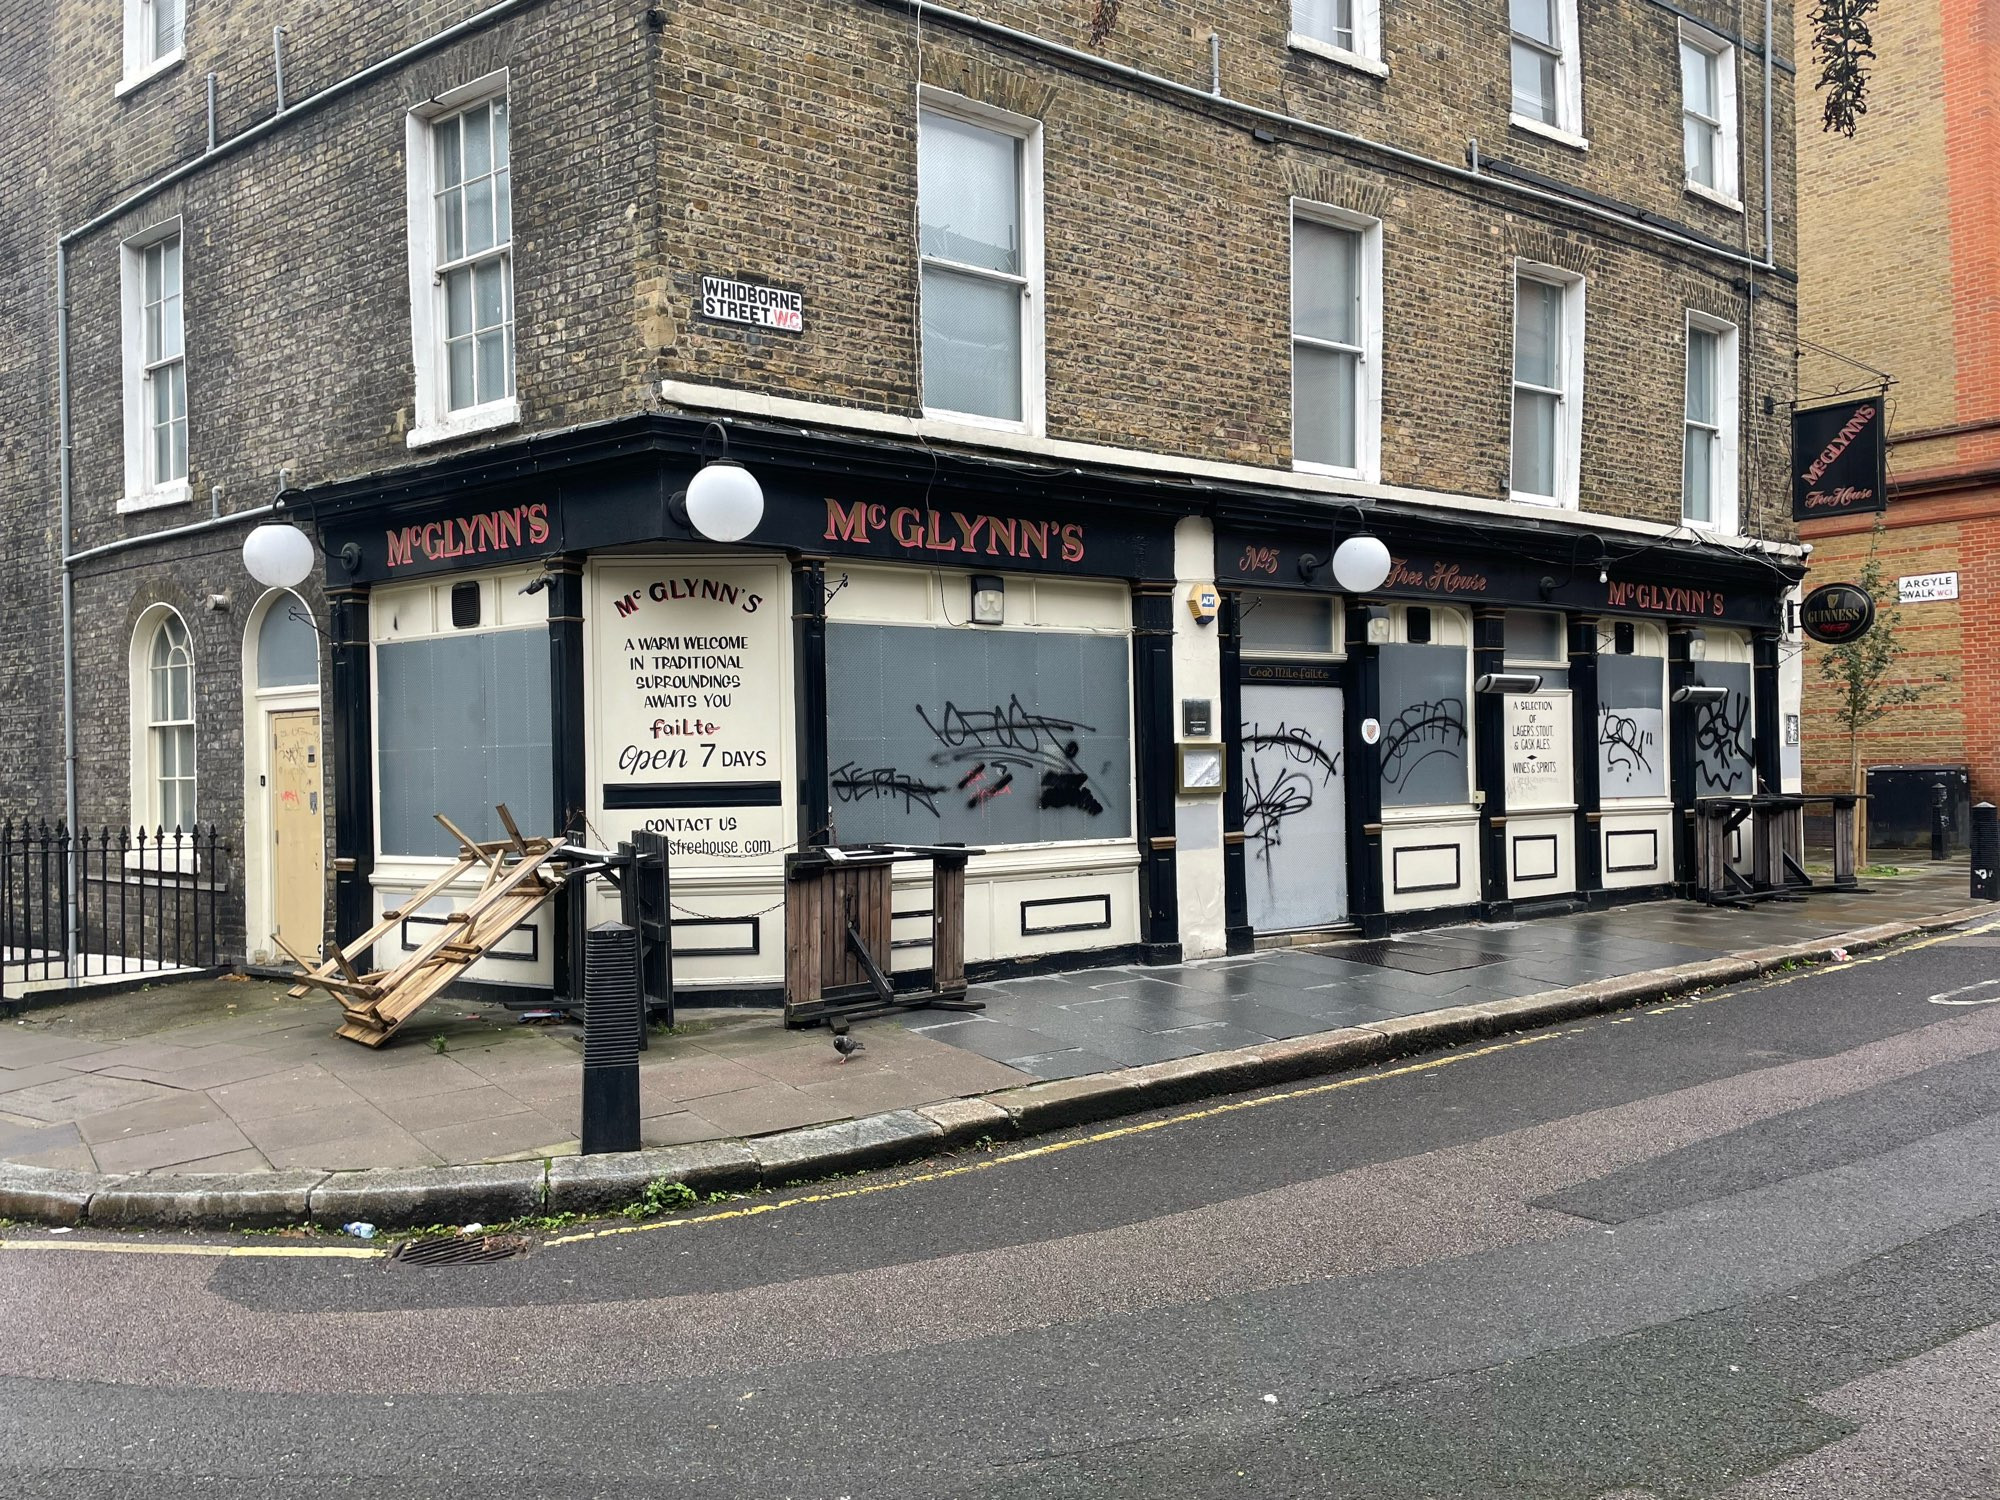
145, 902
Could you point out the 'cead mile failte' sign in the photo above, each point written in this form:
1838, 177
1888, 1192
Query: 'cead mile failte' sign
689, 719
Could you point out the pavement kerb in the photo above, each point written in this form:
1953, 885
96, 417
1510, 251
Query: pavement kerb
497, 1192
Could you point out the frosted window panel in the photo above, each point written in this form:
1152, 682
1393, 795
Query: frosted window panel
1698, 503
1534, 84
1323, 399
1701, 151
1326, 283
1535, 636
463, 725
1283, 622
969, 194
1534, 443
287, 649
1538, 331
1534, 18
1329, 21
1698, 80
1702, 351
972, 345
446, 138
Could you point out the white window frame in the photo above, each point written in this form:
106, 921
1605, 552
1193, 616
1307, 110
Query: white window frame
1034, 347
1368, 388
1366, 53
1569, 416
1727, 521
1726, 191
435, 421
141, 62
1567, 129
147, 812
144, 490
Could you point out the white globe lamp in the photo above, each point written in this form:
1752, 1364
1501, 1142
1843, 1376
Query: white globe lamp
724, 501
277, 555
1361, 565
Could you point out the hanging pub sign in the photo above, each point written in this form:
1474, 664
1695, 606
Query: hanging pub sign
1838, 460
1835, 613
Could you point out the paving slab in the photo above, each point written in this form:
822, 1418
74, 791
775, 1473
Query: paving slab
153, 1084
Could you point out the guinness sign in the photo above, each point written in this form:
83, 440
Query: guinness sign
1836, 613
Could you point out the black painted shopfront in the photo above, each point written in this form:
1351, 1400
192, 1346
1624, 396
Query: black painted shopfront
822, 681
1504, 727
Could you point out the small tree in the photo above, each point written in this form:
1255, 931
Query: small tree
1859, 671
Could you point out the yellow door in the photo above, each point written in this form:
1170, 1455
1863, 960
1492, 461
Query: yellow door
298, 833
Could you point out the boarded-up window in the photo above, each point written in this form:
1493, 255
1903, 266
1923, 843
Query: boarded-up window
977, 736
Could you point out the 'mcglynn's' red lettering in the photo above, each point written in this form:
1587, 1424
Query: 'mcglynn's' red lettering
466, 536
953, 531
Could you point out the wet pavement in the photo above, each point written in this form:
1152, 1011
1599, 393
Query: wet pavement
1062, 1026
231, 1076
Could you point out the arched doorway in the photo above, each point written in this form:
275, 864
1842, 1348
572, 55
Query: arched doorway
285, 791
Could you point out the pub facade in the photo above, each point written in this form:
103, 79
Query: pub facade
951, 652
1061, 378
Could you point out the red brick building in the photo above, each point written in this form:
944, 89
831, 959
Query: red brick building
1900, 270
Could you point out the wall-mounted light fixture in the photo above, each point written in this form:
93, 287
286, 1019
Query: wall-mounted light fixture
1696, 692
1508, 682
278, 555
1697, 647
723, 502
989, 599
1361, 563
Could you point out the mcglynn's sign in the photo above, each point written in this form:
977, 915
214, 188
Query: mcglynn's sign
1838, 465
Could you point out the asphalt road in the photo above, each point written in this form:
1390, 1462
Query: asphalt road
1743, 1245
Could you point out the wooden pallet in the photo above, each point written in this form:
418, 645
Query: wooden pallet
374, 1003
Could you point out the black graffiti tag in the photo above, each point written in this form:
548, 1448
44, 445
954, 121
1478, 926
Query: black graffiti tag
1423, 730
1721, 739
1626, 745
1266, 804
853, 784
1007, 738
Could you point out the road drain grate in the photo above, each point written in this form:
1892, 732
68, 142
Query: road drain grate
461, 1249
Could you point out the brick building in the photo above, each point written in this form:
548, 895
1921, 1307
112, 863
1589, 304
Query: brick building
1906, 216
1038, 324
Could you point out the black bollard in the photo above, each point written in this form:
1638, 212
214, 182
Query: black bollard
1940, 831
1985, 852
612, 1020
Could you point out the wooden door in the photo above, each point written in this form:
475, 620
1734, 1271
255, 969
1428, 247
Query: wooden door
298, 832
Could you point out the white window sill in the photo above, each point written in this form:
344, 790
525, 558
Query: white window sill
151, 71
1543, 502
1332, 471
973, 419
164, 857
1721, 531
1360, 62
1719, 199
178, 493
1551, 132
466, 422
